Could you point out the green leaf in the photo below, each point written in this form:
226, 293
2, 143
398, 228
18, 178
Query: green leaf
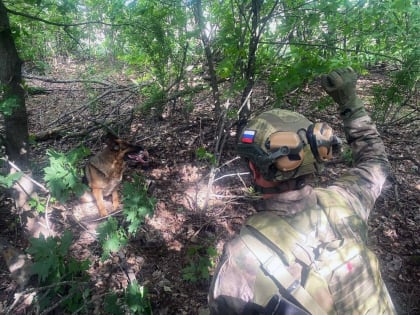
38, 204
65, 243
8, 180
41, 269
8, 105
137, 299
62, 176
202, 154
111, 236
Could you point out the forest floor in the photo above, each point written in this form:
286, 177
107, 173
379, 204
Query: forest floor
190, 215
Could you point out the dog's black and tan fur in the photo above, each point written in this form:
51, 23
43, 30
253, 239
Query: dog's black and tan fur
104, 170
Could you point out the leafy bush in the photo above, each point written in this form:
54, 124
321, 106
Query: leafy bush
137, 206
61, 276
203, 154
111, 237
395, 102
63, 177
155, 98
200, 259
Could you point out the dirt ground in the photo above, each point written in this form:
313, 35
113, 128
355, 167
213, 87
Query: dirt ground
190, 214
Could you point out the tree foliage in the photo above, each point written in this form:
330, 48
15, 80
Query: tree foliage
58, 273
63, 176
283, 42
287, 42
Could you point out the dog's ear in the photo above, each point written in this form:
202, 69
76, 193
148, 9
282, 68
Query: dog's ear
111, 136
112, 141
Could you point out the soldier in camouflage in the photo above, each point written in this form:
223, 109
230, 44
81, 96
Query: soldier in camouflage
304, 250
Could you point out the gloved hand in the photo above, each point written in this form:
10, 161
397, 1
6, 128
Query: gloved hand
340, 84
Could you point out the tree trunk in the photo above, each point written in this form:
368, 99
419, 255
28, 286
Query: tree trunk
251, 66
258, 23
198, 12
12, 93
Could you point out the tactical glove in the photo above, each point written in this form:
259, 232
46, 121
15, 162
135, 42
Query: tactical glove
340, 84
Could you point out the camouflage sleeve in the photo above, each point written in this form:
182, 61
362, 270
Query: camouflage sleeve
363, 184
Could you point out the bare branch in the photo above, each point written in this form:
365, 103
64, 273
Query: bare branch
49, 80
29, 16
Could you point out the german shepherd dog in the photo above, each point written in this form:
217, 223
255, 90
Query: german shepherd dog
104, 170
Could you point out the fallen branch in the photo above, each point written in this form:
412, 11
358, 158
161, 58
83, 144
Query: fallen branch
65, 25
62, 132
55, 305
43, 79
38, 290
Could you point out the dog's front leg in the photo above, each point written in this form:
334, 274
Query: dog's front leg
97, 193
115, 199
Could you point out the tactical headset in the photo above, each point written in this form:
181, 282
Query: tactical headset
286, 150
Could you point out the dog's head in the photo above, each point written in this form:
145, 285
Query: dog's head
128, 151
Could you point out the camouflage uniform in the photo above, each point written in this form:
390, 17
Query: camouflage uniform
320, 243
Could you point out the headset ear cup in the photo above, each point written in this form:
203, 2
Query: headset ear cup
286, 164
320, 137
286, 150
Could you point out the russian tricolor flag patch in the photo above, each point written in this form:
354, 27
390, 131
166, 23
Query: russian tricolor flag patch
248, 136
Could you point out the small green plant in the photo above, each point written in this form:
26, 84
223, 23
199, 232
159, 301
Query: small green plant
200, 260
63, 278
155, 98
40, 203
137, 206
63, 177
135, 300
203, 154
41, 67
111, 237
232, 113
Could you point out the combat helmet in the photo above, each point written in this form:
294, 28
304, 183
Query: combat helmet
283, 144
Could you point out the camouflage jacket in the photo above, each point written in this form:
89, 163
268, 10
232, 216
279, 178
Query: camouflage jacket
237, 287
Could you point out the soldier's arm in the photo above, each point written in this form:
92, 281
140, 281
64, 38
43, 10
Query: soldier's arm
362, 184
231, 290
